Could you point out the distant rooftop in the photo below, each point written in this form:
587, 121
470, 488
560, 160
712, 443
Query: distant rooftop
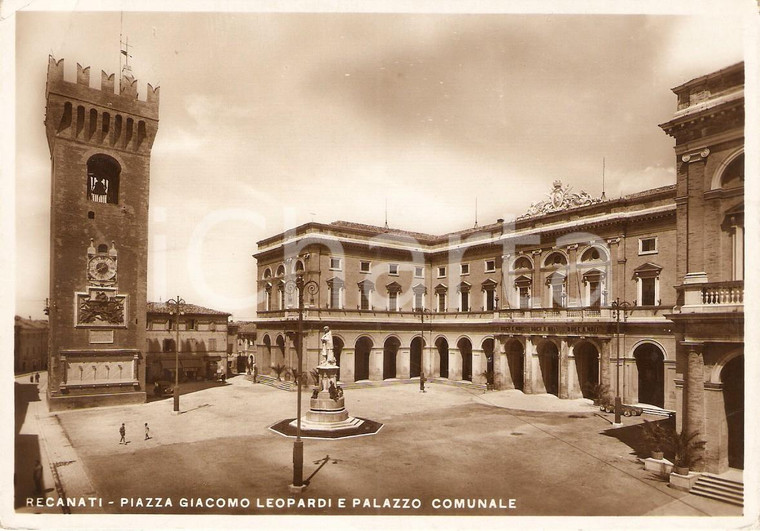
30, 323
192, 309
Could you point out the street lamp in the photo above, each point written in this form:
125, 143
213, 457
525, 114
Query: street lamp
422, 340
617, 307
313, 288
178, 302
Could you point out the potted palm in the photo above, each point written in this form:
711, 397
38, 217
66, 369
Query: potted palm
279, 369
656, 438
687, 451
598, 392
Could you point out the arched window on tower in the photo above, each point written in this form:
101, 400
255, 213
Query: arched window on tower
103, 179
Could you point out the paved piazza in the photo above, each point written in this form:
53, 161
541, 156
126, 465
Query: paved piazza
437, 447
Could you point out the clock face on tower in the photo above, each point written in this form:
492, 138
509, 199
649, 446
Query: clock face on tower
101, 268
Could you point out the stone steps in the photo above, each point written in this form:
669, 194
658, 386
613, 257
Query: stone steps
718, 488
273, 382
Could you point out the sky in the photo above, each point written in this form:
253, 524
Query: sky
270, 120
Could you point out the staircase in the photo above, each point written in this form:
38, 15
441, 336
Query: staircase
654, 410
272, 382
718, 488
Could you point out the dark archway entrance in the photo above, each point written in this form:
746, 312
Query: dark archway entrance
415, 357
390, 349
732, 377
587, 368
361, 358
465, 350
651, 381
515, 357
337, 350
488, 352
280, 354
548, 361
443, 355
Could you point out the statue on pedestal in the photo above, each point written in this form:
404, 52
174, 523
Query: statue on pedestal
327, 356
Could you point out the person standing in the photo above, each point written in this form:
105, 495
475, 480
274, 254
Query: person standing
123, 433
37, 475
36, 377
147, 432
422, 382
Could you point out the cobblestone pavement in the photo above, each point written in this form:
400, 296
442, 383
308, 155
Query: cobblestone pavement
437, 447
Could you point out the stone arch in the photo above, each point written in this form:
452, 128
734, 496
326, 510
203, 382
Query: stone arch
442, 346
548, 365
722, 362
266, 362
552, 254
604, 254
717, 178
650, 371
586, 355
653, 342
464, 344
267, 273
519, 261
391, 346
362, 351
415, 356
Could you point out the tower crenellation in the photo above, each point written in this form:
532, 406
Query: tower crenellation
100, 117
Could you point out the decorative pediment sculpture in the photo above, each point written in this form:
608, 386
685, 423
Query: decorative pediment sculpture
560, 198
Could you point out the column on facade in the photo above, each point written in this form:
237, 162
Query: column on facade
479, 366
506, 286
604, 362
694, 389
376, 363
573, 383
347, 364
455, 364
536, 285
737, 244
500, 363
574, 297
614, 284
564, 368
532, 383
403, 362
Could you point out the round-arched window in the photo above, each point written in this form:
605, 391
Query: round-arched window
103, 179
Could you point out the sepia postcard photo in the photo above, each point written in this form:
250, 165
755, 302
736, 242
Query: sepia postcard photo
370, 264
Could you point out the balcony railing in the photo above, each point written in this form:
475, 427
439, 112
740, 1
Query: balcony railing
592, 314
723, 293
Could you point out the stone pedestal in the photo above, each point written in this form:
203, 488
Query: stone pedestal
327, 410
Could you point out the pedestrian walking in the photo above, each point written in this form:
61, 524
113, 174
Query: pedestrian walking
36, 377
422, 382
37, 475
147, 432
255, 373
31, 378
123, 433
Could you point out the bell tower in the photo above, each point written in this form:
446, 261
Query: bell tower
100, 144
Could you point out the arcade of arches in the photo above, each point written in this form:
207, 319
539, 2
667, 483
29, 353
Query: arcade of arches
568, 367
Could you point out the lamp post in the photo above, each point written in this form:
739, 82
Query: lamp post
313, 288
617, 307
422, 337
178, 302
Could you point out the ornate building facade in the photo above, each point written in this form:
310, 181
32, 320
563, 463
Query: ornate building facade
528, 304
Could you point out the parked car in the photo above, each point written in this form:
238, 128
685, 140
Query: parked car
627, 411
163, 388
